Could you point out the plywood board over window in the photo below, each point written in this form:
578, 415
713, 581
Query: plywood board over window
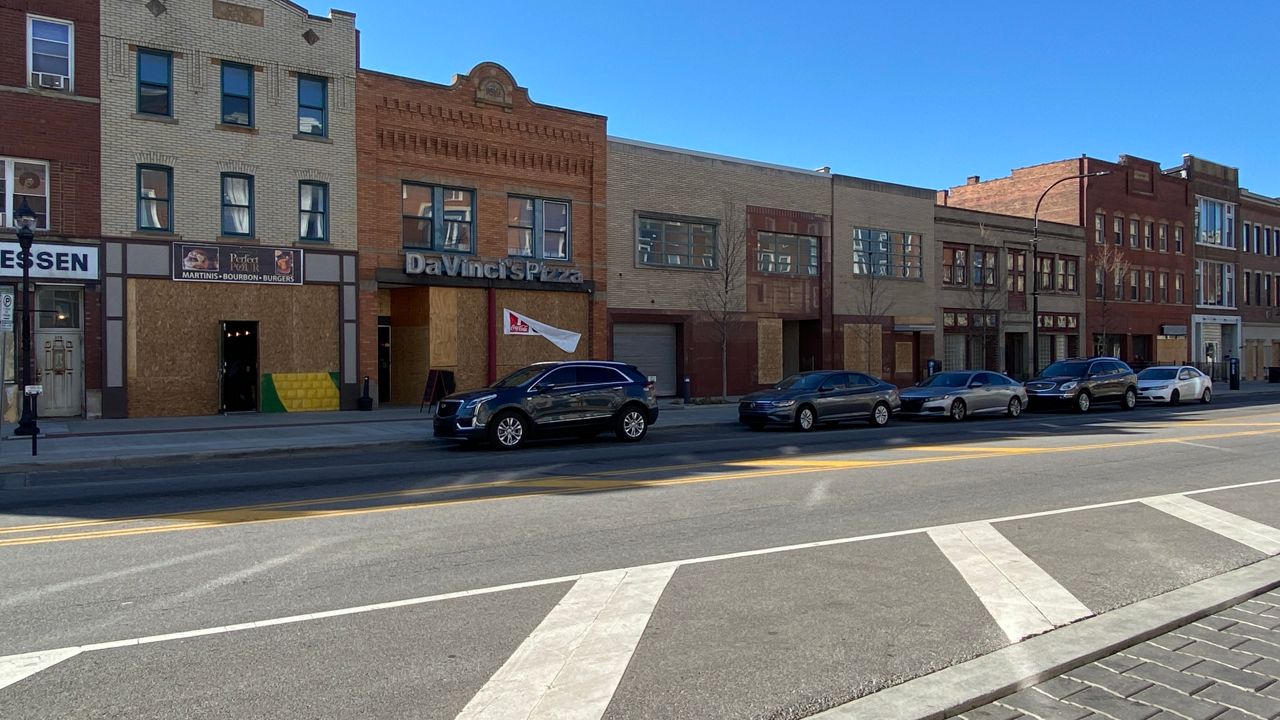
904, 363
862, 348
768, 351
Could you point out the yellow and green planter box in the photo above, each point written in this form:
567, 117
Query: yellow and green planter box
299, 392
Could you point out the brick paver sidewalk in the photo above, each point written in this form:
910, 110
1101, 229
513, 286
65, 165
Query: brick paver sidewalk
1225, 666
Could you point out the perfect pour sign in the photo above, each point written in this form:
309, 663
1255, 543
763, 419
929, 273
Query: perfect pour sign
506, 269
50, 262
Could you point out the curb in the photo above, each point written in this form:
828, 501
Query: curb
975, 683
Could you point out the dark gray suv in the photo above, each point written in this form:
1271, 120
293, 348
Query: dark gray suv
1081, 383
582, 398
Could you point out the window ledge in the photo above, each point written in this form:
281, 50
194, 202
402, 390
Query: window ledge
55, 94
156, 234
246, 129
313, 138
166, 119
250, 239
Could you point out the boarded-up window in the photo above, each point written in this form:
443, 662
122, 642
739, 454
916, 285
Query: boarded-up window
768, 351
862, 348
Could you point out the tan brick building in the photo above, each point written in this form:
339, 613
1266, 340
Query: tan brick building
700, 243
228, 201
985, 303
475, 201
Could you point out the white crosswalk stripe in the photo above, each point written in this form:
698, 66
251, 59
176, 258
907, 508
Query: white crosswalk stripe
570, 665
1263, 538
17, 667
1022, 598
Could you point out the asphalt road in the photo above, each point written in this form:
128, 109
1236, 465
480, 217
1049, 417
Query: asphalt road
705, 573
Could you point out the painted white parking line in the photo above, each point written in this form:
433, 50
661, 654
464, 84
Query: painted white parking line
571, 664
18, 667
1263, 538
1022, 598
424, 600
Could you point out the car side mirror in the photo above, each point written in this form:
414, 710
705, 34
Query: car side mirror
543, 389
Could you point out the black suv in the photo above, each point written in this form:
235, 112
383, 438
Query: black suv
582, 398
1080, 383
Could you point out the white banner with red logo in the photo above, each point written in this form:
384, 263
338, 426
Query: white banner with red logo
513, 323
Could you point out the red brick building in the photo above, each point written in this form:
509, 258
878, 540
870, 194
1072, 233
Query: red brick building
49, 157
1139, 266
475, 201
1260, 283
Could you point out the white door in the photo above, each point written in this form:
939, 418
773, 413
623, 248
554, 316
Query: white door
59, 344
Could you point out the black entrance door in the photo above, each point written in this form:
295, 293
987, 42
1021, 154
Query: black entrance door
239, 373
384, 363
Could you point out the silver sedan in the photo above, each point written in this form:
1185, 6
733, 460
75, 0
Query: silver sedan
958, 394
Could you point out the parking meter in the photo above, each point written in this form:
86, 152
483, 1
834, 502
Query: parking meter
1233, 372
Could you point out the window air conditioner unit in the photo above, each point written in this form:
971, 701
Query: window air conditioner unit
50, 81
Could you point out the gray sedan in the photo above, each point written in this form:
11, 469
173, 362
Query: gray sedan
958, 394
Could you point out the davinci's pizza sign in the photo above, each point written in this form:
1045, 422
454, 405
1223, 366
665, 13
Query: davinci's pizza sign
504, 269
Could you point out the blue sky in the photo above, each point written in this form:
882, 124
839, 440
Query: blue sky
923, 93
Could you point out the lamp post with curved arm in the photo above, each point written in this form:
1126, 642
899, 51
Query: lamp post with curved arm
1035, 266
26, 221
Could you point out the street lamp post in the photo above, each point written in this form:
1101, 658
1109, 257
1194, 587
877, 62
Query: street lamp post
1035, 267
26, 221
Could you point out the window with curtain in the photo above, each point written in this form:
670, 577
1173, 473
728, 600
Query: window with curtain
155, 198
538, 228
955, 266
237, 204
984, 267
313, 211
25, 180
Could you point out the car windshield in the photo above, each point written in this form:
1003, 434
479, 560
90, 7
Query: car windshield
1065, 367
802, 382
1158, 374
519, 377
947, 380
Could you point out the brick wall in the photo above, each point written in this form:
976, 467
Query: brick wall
270, 35
483, 133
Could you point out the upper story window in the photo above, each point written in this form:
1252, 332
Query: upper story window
237, 94
1215, 284
155, 82
1244, 244
1100, 228
1148, 233
24, 180
1133, 233
955, 266
1215, 223
1068, 270
1017, 279
1268, 246
1117, 230
984, 267
1164, 287
887, 254
50, 53
155, 198
437, 218
1044, 273
1179, 281
538, 228
1164, 238
237, 204
1177, 239
676, 243
787, 254
313, 211
313, 106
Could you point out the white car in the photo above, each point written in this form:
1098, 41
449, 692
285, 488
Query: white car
1173, 384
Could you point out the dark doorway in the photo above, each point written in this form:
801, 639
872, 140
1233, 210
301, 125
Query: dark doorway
1015, 355
384, 363
239, 376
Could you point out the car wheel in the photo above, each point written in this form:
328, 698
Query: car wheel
1083, 402
508, 431
1130, 399
631, 424
1015, 407
1207, 397
806, 418
1174, 399
958, 410
879, 415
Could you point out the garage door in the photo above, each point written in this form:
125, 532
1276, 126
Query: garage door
651, 348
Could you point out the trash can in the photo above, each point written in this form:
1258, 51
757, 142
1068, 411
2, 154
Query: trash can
1273, 374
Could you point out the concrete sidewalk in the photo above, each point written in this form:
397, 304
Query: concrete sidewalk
78, 443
